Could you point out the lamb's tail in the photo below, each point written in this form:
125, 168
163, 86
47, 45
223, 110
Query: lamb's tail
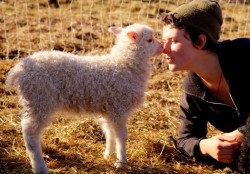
13, 75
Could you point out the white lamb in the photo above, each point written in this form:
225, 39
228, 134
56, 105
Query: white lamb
111, 85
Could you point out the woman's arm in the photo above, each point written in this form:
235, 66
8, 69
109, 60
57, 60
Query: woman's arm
193, 127
193, 130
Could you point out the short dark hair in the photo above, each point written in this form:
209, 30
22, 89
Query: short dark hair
177, 22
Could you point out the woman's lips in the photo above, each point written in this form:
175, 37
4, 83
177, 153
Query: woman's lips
169, 59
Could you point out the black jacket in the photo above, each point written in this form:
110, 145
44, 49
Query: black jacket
197, 107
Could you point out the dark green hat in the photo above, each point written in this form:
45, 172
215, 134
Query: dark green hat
203, 15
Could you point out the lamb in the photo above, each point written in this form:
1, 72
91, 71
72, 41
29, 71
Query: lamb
112, 85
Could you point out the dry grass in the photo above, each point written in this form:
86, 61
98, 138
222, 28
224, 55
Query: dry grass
76, 146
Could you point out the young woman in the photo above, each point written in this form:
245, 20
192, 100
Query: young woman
216, 87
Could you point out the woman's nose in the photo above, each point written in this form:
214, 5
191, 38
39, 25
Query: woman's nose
166, 48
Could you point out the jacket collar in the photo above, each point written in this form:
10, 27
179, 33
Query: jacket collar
192, 85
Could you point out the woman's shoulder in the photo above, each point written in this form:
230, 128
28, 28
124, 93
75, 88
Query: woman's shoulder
238, 43
233, 55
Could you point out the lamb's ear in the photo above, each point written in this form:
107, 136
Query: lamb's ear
132, 35
115, 30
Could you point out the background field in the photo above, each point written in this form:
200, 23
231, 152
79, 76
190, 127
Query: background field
80, 26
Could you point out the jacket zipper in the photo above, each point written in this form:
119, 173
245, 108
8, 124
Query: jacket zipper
236, 108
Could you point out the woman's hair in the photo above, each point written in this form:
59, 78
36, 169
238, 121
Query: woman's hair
177, 22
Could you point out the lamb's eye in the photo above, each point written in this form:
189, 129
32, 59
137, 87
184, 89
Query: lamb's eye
150, 40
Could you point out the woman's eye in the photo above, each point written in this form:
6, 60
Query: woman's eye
174, 41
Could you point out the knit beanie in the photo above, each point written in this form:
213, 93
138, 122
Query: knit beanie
203, 15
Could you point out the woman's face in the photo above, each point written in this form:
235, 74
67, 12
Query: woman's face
178, 48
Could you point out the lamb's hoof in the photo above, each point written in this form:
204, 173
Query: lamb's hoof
121, 165
106, 156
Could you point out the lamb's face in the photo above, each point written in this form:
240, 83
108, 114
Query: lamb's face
149, 43
140, 36
143, 37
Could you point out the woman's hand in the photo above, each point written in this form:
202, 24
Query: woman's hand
236, 134
222, 147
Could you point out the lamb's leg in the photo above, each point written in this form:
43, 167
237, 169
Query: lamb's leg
109, 134
120, 132
32, 129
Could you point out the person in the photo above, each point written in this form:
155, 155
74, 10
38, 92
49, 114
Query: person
216, 88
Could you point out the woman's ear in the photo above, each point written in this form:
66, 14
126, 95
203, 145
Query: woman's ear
202, 40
